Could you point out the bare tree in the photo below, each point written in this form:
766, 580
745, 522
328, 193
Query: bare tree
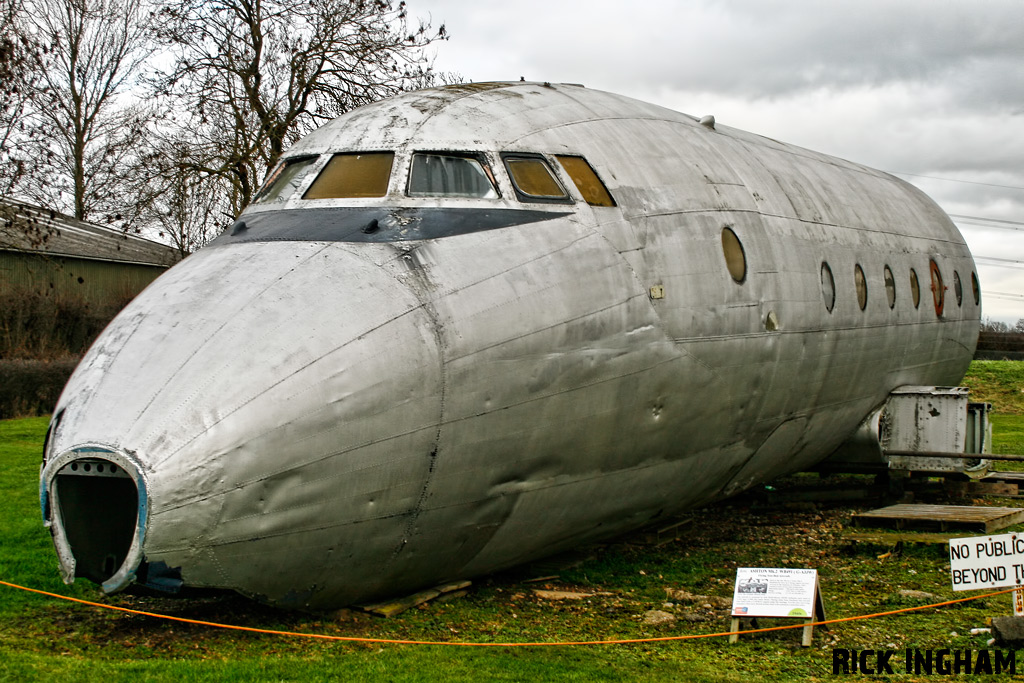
94, 50
189, 208
19, 56
995, 326
255, 75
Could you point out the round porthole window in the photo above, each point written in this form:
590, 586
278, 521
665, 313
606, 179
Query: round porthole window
915, 288
958, 289
735, 258
862, 286
828, 287
938, 289
976, 287
890, 287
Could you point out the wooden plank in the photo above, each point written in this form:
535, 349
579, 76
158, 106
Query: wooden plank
1004, 477
830, 495
940, 517
888, 538
396, 606
945, 455
808, 633
670, 532
982, 488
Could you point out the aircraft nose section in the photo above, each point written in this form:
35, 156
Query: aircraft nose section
228, 404
94, 503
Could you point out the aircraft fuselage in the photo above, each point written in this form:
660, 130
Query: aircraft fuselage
438, 345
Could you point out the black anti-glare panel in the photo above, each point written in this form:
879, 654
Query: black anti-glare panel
374, 224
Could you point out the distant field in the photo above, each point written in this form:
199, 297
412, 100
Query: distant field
999, 382
46, 639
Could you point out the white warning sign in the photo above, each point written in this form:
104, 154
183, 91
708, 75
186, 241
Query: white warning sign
986, 562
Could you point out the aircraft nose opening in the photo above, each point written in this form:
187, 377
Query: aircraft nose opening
98, 514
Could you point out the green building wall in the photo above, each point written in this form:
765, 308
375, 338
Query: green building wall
98, 284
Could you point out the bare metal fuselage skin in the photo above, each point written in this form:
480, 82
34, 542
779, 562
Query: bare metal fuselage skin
316, 413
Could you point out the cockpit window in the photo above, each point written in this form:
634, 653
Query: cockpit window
352, 175
586, 180
533, 179
283, 180
446, 175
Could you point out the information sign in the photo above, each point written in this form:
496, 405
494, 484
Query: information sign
764, 592
767, 592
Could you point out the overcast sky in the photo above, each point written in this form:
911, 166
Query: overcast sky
925, 87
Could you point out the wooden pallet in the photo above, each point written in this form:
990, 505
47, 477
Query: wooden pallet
1004, 478
940, 517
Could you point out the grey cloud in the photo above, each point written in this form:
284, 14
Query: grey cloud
776, 48
932, 87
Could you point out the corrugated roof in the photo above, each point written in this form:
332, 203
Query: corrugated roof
55, 234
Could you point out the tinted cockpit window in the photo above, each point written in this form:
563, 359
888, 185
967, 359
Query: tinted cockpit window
283, 180
352, 175
586, 180
444, 175
533, 179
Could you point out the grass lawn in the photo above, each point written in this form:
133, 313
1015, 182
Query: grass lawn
1008, 434
999, 382
47, 639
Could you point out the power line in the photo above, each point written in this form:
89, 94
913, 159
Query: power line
973, 220
1001, 262
990, 220
972, 225
956, 180
1003, 295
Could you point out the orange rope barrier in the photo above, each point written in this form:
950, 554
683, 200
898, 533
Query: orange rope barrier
393, 641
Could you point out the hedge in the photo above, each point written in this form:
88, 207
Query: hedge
32, 387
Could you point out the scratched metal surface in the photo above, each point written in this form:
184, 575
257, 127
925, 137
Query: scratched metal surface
317, 423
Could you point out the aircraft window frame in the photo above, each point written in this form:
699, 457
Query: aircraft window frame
915, 288
365, 187
481, 163
890, 286
938, 288
510, 159
976, 287
735, 255
286, 173
860, 283
958, 289
587, 181
828, 286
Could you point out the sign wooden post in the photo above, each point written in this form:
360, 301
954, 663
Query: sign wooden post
781, 593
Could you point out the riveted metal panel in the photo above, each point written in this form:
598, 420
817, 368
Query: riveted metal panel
925, 419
